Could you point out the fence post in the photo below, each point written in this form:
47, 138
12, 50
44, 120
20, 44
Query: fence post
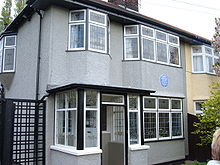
7, 146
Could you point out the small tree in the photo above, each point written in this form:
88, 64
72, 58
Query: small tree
5, 18
216, 45
209, 121
19, 5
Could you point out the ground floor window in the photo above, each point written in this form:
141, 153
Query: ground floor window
162, 118
198, 106
66, 118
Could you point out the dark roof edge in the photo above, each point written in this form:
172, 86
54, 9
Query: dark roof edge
102, 88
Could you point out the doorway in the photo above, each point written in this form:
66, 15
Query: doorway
113, 135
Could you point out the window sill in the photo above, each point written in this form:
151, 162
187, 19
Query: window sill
76, 152
163, 140
138, 147
211, 74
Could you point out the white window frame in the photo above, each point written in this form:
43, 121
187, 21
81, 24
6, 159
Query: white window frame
64, 110
156, 103
96, 50
142, 26
138, 45
168, 104
181, 136
74, 11
163, 42
1, 53
113, 103
97, 23
97, 121
157, 122
173, 45
139, 125
142, 48
84, 42
137, 26
170, 124
9, 47
195, 110
158, 38
181, 105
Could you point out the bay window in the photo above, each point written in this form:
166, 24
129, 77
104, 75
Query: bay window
162, 118
66, 118
155, 46
203, 59
7, 54
97, 31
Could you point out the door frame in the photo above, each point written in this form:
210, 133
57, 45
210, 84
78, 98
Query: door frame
126, 122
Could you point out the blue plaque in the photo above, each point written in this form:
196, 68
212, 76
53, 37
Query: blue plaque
164, 80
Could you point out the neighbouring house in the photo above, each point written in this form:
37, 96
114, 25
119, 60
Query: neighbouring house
114, 81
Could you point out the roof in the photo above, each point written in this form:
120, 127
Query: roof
115, 12
102, 88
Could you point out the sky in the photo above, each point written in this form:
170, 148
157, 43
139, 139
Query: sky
195, 16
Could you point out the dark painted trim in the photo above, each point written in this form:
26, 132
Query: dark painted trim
126, 128
101, 88
80, 119
142, 120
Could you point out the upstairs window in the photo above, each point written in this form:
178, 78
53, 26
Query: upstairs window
203, 59
7, 54
156, 46
96, 23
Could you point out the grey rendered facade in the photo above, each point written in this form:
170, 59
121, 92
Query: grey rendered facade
60, 67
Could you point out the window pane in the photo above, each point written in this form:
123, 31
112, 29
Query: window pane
150, 103
77, 36
208, 50
148, 49
10, 41
71, 134
97, 17
133, 119
91, 99
150, 125
161, 52
131, 30
9, 59
61, 101
77, 16
71, 99
199, 106
164, 130
197, 49
61, 127
133, 103
174, 55
131, 47
161, 35
197, 63
173, 39
147, 32
91, 129
209, 63
176, 104
163, 104
112, 98
97, 37
176, 124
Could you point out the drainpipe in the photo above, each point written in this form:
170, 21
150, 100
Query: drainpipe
38, 57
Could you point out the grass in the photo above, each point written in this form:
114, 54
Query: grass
197, 163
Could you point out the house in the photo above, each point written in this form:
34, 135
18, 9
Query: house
114, 80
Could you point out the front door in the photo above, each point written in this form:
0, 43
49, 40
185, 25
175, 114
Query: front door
113, 135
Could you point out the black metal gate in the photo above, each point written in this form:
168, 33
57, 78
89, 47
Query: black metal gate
22, 132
